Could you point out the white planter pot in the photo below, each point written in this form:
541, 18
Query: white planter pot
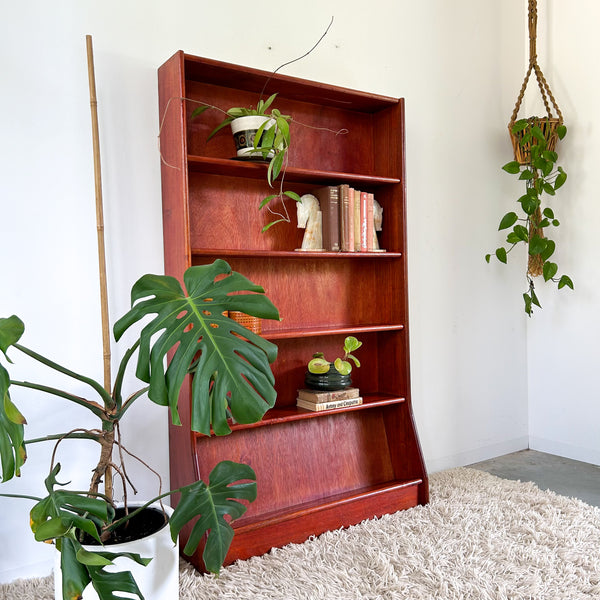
244, 130
158, 581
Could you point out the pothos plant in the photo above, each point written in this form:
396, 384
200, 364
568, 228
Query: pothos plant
543, 177
232, 378
271, 142
319, 364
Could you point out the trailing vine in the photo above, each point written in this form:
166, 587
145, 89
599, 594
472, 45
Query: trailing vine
543, 177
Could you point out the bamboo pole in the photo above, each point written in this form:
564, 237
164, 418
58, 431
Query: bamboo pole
99, 217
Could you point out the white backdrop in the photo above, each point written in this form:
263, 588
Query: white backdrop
483, 378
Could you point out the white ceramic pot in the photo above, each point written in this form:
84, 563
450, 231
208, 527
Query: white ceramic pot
158, 581
244, 130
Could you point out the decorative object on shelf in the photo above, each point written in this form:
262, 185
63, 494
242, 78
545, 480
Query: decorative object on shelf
270, 141
254, 324
244, 131
377, 224
324, 375
317, 401
310, 218
233, 378
534, 141
329, 380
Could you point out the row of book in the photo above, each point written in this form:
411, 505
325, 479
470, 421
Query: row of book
348, 219
317, 401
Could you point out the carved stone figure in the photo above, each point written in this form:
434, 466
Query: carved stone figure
311, 219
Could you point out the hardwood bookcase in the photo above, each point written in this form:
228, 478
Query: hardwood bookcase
315, 470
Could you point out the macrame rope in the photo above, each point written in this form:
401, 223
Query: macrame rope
533, 66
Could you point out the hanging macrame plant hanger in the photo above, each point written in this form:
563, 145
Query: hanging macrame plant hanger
547, 124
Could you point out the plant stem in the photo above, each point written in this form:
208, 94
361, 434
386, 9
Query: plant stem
64, 436
96, 408
106, 397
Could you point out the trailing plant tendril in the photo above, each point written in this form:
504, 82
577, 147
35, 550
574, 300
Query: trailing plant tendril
543, 177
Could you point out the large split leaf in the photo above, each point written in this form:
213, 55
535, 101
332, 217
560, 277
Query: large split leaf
230, 364
62, 510
58, 517
79, 567
12, 448
211, 503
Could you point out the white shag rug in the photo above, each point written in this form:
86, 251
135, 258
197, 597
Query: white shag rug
480, 537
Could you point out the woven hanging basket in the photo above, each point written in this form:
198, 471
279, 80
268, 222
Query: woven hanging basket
547, 124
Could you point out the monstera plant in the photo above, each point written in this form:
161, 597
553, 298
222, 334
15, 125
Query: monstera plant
232, 379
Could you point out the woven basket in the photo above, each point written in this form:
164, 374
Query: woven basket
254, 324
548, 126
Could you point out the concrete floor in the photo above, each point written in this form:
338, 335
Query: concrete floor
561, 475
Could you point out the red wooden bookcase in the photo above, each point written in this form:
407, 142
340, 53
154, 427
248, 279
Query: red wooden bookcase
315, 470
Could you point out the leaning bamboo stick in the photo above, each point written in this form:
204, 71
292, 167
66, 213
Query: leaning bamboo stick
99, 217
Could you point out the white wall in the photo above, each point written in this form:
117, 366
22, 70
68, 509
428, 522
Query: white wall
564, 378
459, 64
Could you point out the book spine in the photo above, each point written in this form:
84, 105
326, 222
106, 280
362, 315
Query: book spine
350, 217
370, 224
364, 207
344, 190
316, 397
328, 405
357, 194
329, 202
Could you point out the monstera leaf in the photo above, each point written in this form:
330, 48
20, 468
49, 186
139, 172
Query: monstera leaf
230, 364
12, 448
211, 503
62, 510
79, 567
57, 517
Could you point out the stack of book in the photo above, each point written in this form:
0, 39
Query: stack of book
348, 219
314, 400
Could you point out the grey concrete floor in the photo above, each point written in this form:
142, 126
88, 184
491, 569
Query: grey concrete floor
561, 475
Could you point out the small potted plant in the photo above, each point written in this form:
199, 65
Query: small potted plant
260, 135
232, 379
324, 375
535, 161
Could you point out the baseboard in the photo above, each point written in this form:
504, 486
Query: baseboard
475, 455
587, 455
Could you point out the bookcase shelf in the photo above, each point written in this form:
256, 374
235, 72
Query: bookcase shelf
292, 413
315, 470
280, 334
207, 252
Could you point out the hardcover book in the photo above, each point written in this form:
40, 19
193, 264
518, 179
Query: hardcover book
316, 396
329, 200
328, 405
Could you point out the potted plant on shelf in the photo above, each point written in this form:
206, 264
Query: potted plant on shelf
325, 375
535, 163
232, 379
260, 135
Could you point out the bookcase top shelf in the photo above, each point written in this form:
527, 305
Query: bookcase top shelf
258, 81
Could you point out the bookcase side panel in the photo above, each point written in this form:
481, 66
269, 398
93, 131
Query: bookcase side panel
174, 181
